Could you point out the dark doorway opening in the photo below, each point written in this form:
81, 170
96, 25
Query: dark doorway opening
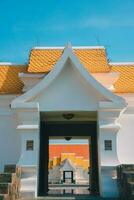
68, 176
60, 129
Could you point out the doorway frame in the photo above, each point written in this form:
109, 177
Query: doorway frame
64, 176
69, 128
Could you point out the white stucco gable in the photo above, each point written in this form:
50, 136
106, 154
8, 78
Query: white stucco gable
67, 165
68, 87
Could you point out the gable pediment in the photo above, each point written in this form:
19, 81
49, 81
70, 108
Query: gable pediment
68, 87
67, 165
69, 91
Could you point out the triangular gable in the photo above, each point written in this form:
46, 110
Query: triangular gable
59, 67
67, 165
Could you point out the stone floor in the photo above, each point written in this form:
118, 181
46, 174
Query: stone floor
75, 198
71, 192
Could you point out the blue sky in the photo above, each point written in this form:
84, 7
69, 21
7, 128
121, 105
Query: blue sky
28, 23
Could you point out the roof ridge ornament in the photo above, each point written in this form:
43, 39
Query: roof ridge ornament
69, 45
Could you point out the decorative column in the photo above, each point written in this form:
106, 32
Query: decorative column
28, 128
108, 128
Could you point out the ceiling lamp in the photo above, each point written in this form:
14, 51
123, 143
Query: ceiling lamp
68, 138
68, 115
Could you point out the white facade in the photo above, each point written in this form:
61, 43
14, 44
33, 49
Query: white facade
68, 88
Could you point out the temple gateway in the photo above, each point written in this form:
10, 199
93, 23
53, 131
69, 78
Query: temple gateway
67, 94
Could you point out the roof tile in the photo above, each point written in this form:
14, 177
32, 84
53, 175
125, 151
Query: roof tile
125, 83
78, 149
43, 60
9, 80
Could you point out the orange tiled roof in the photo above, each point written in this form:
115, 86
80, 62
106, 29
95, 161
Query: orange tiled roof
43, 60
9, 80
78, 149
125, 83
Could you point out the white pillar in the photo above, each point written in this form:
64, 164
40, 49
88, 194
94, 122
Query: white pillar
28, 128
108, 128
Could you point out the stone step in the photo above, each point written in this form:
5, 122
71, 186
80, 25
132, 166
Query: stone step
27, 194
28, 182
130, 178
1, 197
129, 167
70, 198
4, 188
4, 197
5, 177
28, 171
10, 169
125, 174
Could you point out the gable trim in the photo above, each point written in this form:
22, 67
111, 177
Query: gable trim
43, 84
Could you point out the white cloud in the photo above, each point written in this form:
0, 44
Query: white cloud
105, 22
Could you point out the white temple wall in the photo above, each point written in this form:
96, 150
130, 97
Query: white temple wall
125, 139
9, 139
125, 136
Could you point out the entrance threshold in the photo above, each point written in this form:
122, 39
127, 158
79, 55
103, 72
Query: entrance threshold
69, 190
74, 198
